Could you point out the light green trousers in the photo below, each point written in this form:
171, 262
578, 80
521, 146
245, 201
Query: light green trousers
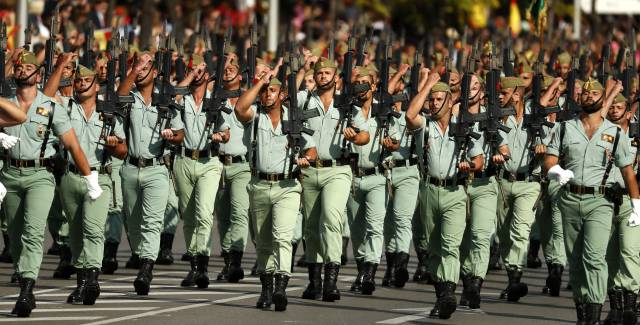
232, 207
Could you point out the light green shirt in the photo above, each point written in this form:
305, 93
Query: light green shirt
520, 144
32, 132
441, 158
369, 154
273, 152
197, 135
144, 130
408, 138
616, 175
240, 134
328, 126
88, 131
588, 158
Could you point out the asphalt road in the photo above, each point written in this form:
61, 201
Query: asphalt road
225, 303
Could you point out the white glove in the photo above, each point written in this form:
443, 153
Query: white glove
634, 217
562, 176
93, 188
3, 192
8, 141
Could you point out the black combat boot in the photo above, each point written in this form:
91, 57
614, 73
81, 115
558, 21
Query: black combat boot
554, 280
533, 260
435, 311
580, 314
592, 314
26, 300
545, 289
224, 274
344, 257
314, 288
236, 273
629, 316
133, 262
77, 296
65, 269
92, 291
266, 279
165, 256
109, 261
330, 290
15, 277
466, 287
422, 274
279, 291
189, 280
615, 312
369, 278
389, 277
401, 274
356, 286
202, 277
186, 257
142, 282
515, 289
5, 257
294, 248
302, 261
475, 286
55, 247
447, 300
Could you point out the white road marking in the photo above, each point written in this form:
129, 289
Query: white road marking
152, 293
47, 319
423, 313
179, 308
82, 310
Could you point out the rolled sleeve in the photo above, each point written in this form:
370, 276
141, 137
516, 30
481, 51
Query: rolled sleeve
553, 148
623, 155
61, 123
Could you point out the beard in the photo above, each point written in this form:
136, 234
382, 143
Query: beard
592, 108
327, 85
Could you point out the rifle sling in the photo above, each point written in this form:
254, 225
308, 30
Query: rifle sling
47, 131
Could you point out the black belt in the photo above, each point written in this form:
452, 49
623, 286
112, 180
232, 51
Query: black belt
274, 177
229, 159
197, 154
319, 163
484, 174
100, 170
360, 172
519, 177
448, 182
141, 162
405, 162
19, 163
579, 189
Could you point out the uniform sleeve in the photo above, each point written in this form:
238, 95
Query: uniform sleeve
394, 130
623, 156
475, 148
61, 123
553, 148
359, 122
308, 141
548, 132
176, 121
119, 129
302, 98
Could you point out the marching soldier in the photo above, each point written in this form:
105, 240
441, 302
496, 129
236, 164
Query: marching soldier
622, 256
443, 200
590, 146
326, 184
26, 175
483, 191
145, 179
367, 205
520, 189
87, 217
198, 169
232, 202
274, 188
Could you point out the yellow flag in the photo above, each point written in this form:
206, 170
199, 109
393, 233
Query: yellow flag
515, 21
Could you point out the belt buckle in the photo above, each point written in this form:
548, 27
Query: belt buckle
580, 189
195, 154
22, 163
360, 172
228, 159
319, 163
142, 163
272, 177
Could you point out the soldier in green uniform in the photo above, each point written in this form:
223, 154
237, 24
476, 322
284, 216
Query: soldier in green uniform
326, 184
87, 217
198, 169
443, 198
622, 257
368, 203
145, 179
232, 202
115, 221
274, 188
482, 190
520, 188
590, 146
26, 175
